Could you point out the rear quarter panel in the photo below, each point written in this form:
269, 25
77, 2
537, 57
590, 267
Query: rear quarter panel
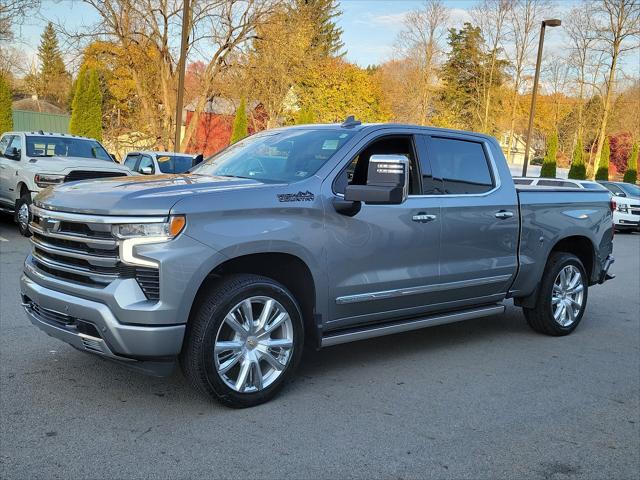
550, 215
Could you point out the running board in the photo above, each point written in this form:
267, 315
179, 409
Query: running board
405, 326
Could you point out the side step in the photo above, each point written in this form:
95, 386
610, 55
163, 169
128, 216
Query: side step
363, 333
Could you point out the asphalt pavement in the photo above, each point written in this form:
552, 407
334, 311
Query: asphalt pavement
487, 398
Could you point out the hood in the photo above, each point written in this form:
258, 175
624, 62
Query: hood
136, 195
67, 164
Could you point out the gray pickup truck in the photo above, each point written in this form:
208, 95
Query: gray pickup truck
306, 236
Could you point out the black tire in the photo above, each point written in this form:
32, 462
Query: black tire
541, 317
197, 356
25, 199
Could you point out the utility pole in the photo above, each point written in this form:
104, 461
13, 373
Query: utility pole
182, 61
532, 112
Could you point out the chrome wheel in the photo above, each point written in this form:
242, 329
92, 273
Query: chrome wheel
567, 298
254, 344
23, 216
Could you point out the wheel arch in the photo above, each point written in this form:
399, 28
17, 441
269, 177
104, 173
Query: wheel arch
286, 268
579, 245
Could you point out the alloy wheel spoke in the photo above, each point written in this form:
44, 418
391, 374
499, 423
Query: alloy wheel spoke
265, 314
555, 300
575, 290
232, 321
233, 345
279, 320
570, 312
256, 373
277, 343
247, 312
230, 363
241, 381
268, 357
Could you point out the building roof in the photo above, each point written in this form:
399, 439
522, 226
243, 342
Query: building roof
36, 105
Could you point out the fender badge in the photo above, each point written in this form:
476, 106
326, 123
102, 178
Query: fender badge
296, 197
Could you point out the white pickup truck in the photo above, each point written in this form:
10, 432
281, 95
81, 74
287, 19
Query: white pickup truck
31, 161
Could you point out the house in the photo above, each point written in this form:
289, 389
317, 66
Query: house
215, 123
518, 143
33, 114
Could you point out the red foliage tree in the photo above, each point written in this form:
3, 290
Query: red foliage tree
621, 145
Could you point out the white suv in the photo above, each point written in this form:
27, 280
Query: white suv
626, 216
31, 161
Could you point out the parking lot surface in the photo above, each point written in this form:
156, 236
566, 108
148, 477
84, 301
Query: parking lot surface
488, 398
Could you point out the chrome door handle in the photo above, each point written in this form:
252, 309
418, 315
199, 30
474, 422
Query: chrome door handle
423, 218
503, 214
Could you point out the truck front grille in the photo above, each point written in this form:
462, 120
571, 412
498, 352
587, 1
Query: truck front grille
77, 175
84, 252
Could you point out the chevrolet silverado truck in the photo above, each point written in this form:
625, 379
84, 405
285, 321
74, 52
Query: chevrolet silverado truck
31, 161
307, 236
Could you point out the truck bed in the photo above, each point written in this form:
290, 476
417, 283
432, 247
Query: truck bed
546, 213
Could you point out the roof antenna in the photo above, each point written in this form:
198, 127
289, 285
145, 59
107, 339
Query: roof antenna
351, 122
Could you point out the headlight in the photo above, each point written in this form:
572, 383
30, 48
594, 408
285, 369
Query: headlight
134, 234
623, 208
160, 231
44, 181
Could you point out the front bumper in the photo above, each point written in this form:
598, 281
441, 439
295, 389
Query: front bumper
91, 327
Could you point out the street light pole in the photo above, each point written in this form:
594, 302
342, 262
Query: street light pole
186, 21
532, 112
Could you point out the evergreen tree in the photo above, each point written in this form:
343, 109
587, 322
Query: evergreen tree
603, 165
6, 118
240, 123
578, 169
549, 163
53, 80
86, 115
327, 36
631, 175
464, 77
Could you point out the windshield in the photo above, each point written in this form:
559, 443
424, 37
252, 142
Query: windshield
285, 156
174, 164
46, 146
630, 189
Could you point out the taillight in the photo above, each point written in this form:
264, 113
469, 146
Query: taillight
612, 204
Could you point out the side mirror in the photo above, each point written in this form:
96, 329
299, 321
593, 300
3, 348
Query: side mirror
387, 182
146, 170
620, 194
12, 153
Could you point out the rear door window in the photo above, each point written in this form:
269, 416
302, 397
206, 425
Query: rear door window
556, 183
462, 164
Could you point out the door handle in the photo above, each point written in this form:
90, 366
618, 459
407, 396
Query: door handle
423, 217
503, 214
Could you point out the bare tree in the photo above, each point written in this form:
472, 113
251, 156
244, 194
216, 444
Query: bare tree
581, 30
492, 16
148, 32
618, 30
13, 12
420, 43
523, 19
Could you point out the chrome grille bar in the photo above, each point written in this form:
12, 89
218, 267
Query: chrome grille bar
100, 260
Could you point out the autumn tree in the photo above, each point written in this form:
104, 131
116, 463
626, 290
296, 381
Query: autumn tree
578, 169
305, 116
337, 89
6, 118
53, 81
86, 115
147, 33
617, 33
603, 164
548, 169
240, 123
631, 175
